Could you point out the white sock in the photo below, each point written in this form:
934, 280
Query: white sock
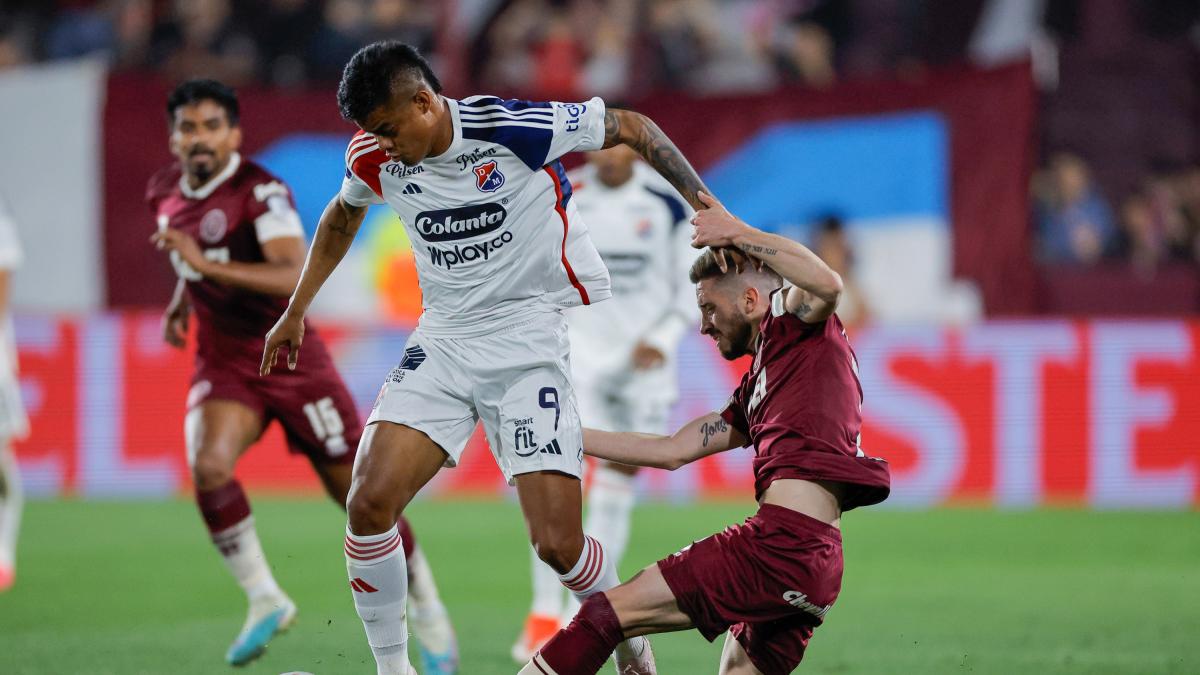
430, 621
11, 502
379, 579
595, 573
610, 509
592, 573
422, 589
609, 512
547, 590
244, 557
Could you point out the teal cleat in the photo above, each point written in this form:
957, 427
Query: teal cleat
444, 663
258, 631
436, 642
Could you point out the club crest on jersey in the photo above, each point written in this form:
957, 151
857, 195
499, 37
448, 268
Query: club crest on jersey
213, 226
488, 177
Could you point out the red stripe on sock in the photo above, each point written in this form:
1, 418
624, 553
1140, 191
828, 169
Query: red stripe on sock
537, 665
354, 585
375, 555
361, 548
588, 556
597, 570
593, 570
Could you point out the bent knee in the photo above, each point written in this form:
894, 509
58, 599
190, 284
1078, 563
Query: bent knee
372, 510
211, 470
559, 551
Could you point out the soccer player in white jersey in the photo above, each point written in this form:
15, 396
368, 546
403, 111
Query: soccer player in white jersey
13, 423
624, 349
501, 251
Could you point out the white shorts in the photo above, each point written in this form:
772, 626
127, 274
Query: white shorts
516, 381
632, 402
13, 422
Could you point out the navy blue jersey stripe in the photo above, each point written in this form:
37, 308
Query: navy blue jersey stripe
499, 121
509, 103
674, 203
494, 112
563, 181
529, 144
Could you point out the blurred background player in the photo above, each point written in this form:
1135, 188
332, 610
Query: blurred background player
624, 368
237, 245
13, 423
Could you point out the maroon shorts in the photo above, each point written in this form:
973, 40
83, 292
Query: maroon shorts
769, 581
312, 404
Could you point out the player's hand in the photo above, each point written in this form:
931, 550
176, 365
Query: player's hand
175, 324
288, 332
715, 225
183, 244
718, 229
647, 357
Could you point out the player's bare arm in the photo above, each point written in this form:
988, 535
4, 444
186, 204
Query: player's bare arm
175, 318
335, 232
815, 287
643, 135
701, 437
276, 275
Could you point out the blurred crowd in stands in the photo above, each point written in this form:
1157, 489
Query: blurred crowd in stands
1156, 222
1120, 78
565, 47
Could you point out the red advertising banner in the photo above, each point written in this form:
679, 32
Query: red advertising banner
1011, 413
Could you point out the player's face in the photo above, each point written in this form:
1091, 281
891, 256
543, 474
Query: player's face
722, 319
203, 139
613, 165
404, 126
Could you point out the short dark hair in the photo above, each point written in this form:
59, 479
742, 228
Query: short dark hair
368, 78
706, 267
194, 91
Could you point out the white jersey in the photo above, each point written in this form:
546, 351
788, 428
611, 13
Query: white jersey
495, 232
642, 230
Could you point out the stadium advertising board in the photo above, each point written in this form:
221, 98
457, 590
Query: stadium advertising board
1013, 414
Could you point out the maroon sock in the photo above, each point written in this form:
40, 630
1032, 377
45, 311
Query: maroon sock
582, 647
224, 507
407, 539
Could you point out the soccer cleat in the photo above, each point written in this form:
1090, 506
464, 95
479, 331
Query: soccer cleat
267, 618
436, 642
8, 577
634, 657
539, 628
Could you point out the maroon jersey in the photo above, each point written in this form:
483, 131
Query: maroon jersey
229, 217
800, 404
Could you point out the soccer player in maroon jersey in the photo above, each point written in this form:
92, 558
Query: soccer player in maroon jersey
769, 581
237, 245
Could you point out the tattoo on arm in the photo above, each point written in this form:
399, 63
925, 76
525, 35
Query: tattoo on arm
758, 250
653, 145
708, 430
612, 128
341, 223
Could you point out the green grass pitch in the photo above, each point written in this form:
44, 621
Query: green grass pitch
135, 588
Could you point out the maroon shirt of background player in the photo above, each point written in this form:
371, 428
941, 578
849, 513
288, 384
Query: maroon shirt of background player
232, 321
800, 404
225, 217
